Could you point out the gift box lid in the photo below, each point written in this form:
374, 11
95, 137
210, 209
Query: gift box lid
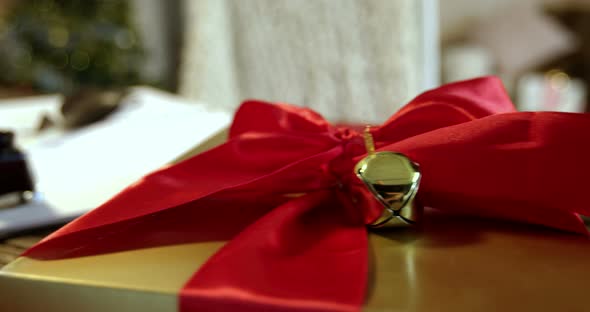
451, 263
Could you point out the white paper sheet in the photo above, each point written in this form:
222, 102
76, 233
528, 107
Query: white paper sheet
77, 171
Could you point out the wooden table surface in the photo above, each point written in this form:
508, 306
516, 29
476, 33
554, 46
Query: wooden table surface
12, 247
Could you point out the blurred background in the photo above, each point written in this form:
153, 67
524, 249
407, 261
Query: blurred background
53, 46
105, 84
203, 49
539, 48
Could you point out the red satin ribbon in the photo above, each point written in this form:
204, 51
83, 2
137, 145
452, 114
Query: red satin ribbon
309, 253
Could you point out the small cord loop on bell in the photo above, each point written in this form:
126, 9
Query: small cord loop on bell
369, 143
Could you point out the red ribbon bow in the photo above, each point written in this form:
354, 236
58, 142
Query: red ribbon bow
309, 253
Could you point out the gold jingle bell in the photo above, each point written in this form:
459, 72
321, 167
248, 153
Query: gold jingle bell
393, 179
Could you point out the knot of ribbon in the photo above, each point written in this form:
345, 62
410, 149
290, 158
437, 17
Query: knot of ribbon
477, 156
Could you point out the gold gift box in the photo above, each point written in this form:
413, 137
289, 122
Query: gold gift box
449, 264
452, 264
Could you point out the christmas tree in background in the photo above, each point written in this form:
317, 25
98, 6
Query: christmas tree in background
62, 46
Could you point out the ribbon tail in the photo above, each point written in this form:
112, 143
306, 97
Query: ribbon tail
191, 201
528, 167
305, 255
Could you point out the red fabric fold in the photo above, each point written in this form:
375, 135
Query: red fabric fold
246, 276
283, 192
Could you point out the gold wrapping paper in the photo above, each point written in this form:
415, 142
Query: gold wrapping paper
453, 264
